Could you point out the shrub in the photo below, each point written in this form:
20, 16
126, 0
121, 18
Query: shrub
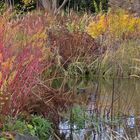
70, 47
118, 26
34, 126
42, 127
22, 49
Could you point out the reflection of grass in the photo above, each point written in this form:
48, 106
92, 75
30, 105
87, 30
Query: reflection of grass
81, 117
78, 116
121, 104
79, 120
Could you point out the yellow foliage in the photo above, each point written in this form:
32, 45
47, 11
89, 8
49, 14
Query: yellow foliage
114, 24
26, 1
39, 35
97, 27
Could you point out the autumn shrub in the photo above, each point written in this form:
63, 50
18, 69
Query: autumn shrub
71, 46
22, 55
115, 26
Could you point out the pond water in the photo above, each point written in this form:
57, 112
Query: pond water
111, 111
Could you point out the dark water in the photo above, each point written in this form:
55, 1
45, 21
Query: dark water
113, 107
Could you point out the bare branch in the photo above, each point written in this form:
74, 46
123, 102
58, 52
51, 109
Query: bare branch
62, 5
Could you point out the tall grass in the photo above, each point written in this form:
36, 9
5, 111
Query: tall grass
118, 34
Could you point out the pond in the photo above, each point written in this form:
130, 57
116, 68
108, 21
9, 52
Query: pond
111, 110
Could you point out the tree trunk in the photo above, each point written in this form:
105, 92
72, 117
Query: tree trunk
53, 5
9, 3
62, 5
46, 4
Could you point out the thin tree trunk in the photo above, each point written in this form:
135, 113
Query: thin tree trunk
9, 3
53, 5
62, 5
46, 4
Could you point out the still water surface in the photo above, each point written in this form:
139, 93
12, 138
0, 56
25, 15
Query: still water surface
115, 107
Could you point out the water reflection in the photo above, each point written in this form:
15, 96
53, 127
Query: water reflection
113, 108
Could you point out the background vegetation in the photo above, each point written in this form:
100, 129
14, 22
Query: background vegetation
78, 5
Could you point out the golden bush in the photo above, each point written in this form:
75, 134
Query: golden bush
116, 25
